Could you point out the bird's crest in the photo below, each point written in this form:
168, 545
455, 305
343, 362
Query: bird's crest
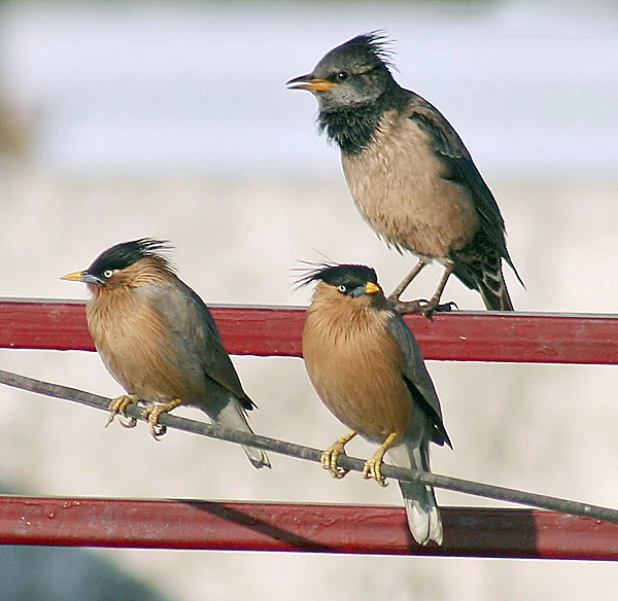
125, 254
335, 274
376, 44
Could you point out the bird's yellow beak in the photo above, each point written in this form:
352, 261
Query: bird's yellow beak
371, 288
82, 276
76, 276
308, 82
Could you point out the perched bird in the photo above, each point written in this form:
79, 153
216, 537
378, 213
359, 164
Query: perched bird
367, 368
410, 175
158, 339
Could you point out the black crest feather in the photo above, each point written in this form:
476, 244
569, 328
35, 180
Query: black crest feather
375, 44
125, 254
335, 274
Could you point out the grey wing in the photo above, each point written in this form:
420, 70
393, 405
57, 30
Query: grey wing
417, 377
195, 329
460, 168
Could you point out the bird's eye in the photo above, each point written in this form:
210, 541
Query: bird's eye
342, 288
108, 273
342, 75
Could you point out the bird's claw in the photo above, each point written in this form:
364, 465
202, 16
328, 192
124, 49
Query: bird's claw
157, 431
130, 423
373, 466
447, 307
373, 469
329, 459
421, 305
152, 414
432, 307
119, 406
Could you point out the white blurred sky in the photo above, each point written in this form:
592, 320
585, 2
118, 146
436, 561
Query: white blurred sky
150, 86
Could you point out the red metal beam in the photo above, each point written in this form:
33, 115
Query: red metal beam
532, 338
468, 532
317, 528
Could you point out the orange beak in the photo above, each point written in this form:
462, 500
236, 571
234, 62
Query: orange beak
311, 83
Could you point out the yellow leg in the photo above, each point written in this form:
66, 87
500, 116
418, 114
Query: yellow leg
119, 405
152, 414
373, 466
331, 455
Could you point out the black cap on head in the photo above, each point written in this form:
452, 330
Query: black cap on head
335, 275
125, 254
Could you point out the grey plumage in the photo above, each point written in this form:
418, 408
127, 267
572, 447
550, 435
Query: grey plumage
420, 500
196, 348
410, 174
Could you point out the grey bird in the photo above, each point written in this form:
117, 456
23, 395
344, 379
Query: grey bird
410, 175
368, 370
159, 341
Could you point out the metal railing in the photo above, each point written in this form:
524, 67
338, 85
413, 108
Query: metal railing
276, 331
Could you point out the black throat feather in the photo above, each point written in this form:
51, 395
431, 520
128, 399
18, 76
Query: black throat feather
352, 129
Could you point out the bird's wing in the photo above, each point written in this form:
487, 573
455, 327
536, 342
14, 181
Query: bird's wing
417, 378
460, 168
195, 330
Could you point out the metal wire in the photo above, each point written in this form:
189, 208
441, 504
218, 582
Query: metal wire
310, 454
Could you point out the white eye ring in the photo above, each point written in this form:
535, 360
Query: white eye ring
108, 273
342, 288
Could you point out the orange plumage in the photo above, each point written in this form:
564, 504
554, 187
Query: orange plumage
368, 370
158, 339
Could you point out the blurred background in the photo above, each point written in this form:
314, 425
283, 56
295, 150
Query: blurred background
170, 119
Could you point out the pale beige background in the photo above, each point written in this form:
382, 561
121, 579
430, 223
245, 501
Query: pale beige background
550, 429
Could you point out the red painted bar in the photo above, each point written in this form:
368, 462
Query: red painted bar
514, 337
204, 525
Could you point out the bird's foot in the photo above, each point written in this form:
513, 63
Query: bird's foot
119, 405
330, 456
373, 466
152, 414
426, 307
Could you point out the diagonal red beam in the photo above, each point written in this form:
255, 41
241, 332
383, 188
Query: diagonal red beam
532, 338
206, 525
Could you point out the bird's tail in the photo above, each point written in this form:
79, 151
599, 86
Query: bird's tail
233, 416
420, 501
493, 291
482, 270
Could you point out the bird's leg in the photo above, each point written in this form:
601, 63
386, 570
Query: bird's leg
395, 294
433, 304
153, 412
329, 458
373, 466
119, 405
